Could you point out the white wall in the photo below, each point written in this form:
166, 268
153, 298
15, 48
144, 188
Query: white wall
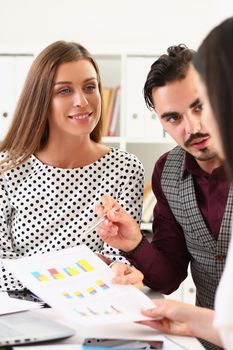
108, 25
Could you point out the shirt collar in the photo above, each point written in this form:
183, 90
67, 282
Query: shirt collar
192, 167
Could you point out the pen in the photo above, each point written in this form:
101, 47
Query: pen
97, 223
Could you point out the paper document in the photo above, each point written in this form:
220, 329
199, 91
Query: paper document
10, 305
78, 283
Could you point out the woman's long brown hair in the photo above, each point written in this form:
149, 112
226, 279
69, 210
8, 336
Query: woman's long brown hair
29, 128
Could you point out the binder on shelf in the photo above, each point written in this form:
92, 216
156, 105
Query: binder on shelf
106, 103
111, 101
149, 202
115, 112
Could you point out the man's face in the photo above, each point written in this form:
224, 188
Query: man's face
179, 109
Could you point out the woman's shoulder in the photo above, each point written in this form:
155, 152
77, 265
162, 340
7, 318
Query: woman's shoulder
19, 168
126, 157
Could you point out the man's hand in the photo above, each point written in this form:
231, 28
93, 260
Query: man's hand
119, 230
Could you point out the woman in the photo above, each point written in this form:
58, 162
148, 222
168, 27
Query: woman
54, 169
213, 62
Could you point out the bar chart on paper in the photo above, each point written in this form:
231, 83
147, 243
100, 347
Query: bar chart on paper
78, 283
53, 273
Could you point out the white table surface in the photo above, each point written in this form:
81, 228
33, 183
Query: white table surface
128, 330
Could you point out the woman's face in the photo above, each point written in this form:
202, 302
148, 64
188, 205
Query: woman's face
208, 118
76, 103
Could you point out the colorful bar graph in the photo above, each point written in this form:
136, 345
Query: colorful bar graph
91, 290
71, 271
101, 284
40, 277
93, 312
55, 274
67, 295
84, 265
115, 309
89, 311
78, 294
81, 313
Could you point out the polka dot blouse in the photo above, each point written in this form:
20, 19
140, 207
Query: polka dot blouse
44, 208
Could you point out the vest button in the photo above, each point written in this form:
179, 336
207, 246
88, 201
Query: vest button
219, 257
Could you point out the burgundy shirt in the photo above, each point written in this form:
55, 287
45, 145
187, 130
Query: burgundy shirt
164, 261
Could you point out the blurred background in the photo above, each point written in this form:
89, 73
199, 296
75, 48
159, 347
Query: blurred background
108, 24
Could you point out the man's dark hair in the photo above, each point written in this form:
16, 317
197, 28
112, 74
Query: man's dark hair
167, 68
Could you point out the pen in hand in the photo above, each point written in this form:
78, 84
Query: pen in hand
97, 223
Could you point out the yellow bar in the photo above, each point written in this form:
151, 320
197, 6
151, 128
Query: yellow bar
85, 265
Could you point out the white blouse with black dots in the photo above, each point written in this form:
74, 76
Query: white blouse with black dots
44, 208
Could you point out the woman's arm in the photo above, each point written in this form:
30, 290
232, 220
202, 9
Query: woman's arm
174, 317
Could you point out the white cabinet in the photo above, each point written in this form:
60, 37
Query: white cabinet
134, 107
140, 122
13, 70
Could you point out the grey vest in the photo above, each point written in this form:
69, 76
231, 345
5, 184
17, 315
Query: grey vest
207, 254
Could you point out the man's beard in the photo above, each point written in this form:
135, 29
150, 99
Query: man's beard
206, 154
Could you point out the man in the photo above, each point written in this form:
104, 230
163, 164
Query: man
194, 200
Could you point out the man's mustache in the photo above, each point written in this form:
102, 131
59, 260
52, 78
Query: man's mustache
192, 137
